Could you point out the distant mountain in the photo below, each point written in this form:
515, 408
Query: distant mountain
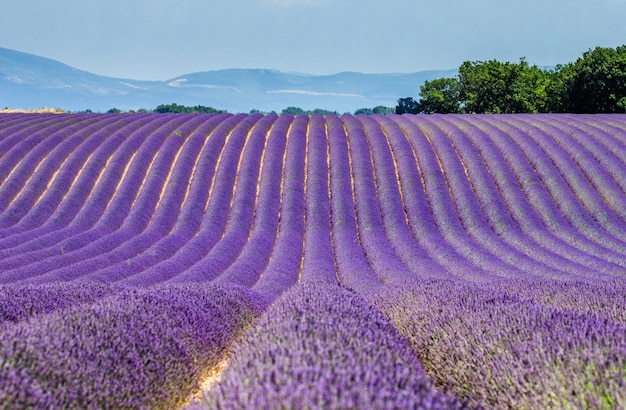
29, 81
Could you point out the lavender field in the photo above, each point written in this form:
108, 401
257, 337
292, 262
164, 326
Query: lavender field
281, 262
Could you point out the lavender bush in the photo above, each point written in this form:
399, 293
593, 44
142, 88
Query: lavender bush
22, 302
503, 351
398, 261
320, 345
135, 349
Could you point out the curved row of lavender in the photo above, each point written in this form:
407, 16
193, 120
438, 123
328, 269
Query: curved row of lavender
496, 245
322, 346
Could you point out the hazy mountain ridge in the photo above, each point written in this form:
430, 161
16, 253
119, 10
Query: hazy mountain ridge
29, 81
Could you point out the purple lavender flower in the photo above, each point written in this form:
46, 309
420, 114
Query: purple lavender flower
322, 346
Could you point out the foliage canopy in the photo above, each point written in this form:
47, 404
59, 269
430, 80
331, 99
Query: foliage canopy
595, 83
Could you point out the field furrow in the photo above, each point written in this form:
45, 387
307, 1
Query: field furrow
323, 261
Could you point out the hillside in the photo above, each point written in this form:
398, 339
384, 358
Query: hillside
331, 262
29, 81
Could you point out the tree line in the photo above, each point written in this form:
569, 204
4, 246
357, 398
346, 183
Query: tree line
594, 83
170, 108
178, 108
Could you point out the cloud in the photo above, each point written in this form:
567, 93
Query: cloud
14, 79
182, 82
315, 93
132, 85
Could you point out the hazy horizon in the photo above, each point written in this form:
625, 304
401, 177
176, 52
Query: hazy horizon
295, 73
159, 40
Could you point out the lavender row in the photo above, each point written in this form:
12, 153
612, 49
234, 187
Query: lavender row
532, 206
602, 299
605, 142
443, 208
15, 123
86, 202
10, 127
189, 230
213, 221
379, 181
354, 269
136, 231
66, 173
112, 135
134, 349
471, 214
388, 178
107, 242
211, 136
283, 266
137, 166
380, 253
19, 303
509, 214
22, 139
255, 255
154, 243
417, 208
67, 221
471, 184
318, 259
499, 350
599, 164
46, 158
120, 191
322, 346
18, 168
542, 182
579, 201
242, 211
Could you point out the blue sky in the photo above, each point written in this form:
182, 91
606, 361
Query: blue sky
158, 40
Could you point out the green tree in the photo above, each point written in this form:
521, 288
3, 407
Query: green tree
320, 111
381, 109
365, 111
170, 108
204, 109
496, 87
596, 82
178, 109
440, 96
407, 106
292, 110
532, 89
